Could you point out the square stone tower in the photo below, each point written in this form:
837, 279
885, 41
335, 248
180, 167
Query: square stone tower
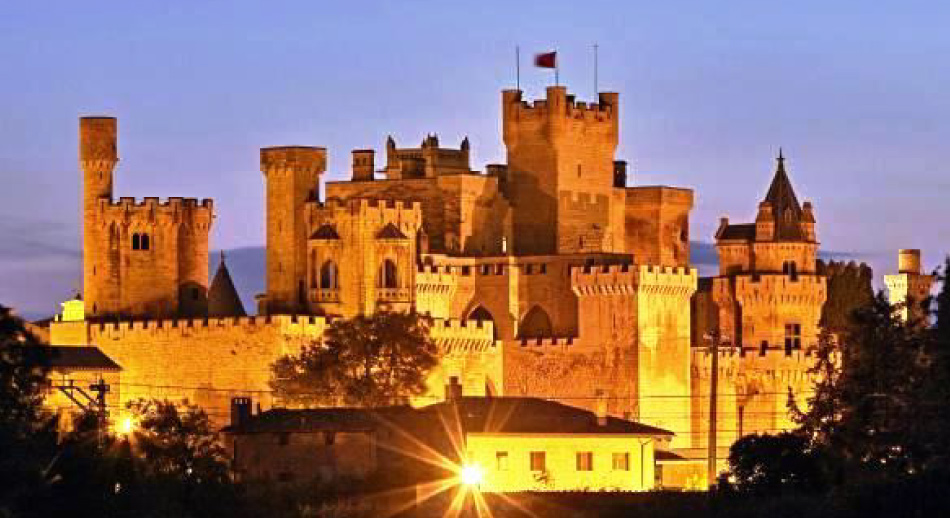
908, 288
560, 170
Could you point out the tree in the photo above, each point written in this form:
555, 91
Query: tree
369, 361
771, 464
178, 442
27, 431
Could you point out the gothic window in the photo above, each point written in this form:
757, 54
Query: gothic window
793, 338
387, 275
536, 324
328, 276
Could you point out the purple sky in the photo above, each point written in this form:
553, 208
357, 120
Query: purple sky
855, 92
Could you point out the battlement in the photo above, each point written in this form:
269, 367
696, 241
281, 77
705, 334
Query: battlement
734, 361
454, 334
368, 209
169, 211
559, 104
629, 278
562, 341
116, 329
769, 286
301, 158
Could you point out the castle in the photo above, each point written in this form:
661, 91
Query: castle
546, 276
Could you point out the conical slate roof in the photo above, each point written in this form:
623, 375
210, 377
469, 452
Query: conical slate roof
785, 206
223, 299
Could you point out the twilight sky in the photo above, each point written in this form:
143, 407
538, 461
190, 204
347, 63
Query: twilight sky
856, 93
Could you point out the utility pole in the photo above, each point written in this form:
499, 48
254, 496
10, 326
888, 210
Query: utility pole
713, 390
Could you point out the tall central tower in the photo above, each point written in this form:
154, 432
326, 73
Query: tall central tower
561, 170
292, 175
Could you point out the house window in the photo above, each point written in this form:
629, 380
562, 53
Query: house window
793, 338
283, 438
538, 461
329, 438
585, 461
501, 461
621, 461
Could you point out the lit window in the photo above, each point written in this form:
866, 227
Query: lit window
501, 461
621, 461
538, 461
585, 461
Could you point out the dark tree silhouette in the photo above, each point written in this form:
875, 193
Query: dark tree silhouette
370, 361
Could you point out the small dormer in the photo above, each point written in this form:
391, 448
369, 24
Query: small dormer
765, 223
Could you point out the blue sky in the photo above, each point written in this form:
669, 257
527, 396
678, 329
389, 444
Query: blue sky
855, 92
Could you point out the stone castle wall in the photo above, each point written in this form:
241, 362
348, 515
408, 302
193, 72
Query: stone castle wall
209, 361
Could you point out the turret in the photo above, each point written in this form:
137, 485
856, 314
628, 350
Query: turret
765, 223
292, 175
363, 165
908, 288
98, 157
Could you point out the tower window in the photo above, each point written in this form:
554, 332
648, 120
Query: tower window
328, 276
793, 338
136, 240
145, 243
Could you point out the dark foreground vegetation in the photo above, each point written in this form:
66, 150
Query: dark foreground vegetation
875, 441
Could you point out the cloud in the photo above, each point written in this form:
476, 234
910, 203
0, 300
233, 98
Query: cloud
27, 240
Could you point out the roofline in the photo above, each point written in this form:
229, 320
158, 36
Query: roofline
567, 435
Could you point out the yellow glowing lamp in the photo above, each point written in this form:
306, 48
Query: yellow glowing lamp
471, 475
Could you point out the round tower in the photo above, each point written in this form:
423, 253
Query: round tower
98, 156
908, 288
292, 174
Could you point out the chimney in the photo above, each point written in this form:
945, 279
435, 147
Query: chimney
453, 390
240, 411
363, 164
601, 409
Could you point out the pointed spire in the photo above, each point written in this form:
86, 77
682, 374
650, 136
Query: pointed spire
223, 298
785, 207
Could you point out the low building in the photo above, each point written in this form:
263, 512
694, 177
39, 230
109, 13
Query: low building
81, 379
497, 444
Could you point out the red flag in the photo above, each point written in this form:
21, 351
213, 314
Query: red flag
546, 60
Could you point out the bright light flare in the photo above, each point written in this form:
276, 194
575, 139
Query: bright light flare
471, 475
126, 425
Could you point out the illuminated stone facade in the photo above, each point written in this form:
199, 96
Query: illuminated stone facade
763, 309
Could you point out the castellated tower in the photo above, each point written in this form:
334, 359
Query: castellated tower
908, 288
292, 174
561, 171
140, 259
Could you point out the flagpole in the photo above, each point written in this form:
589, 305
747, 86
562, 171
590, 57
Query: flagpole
556, 68
595, 70
518, 68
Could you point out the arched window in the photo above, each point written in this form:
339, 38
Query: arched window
483, 315
535, 324
145, 243
388, 275
136, 242
328, 276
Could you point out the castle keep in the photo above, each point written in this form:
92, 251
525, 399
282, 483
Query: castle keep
547, 276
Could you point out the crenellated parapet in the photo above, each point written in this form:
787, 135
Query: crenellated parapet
767, 364
780, 289
170, 212
630, 279
560, 342
160, 329
560, 105
453, 335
